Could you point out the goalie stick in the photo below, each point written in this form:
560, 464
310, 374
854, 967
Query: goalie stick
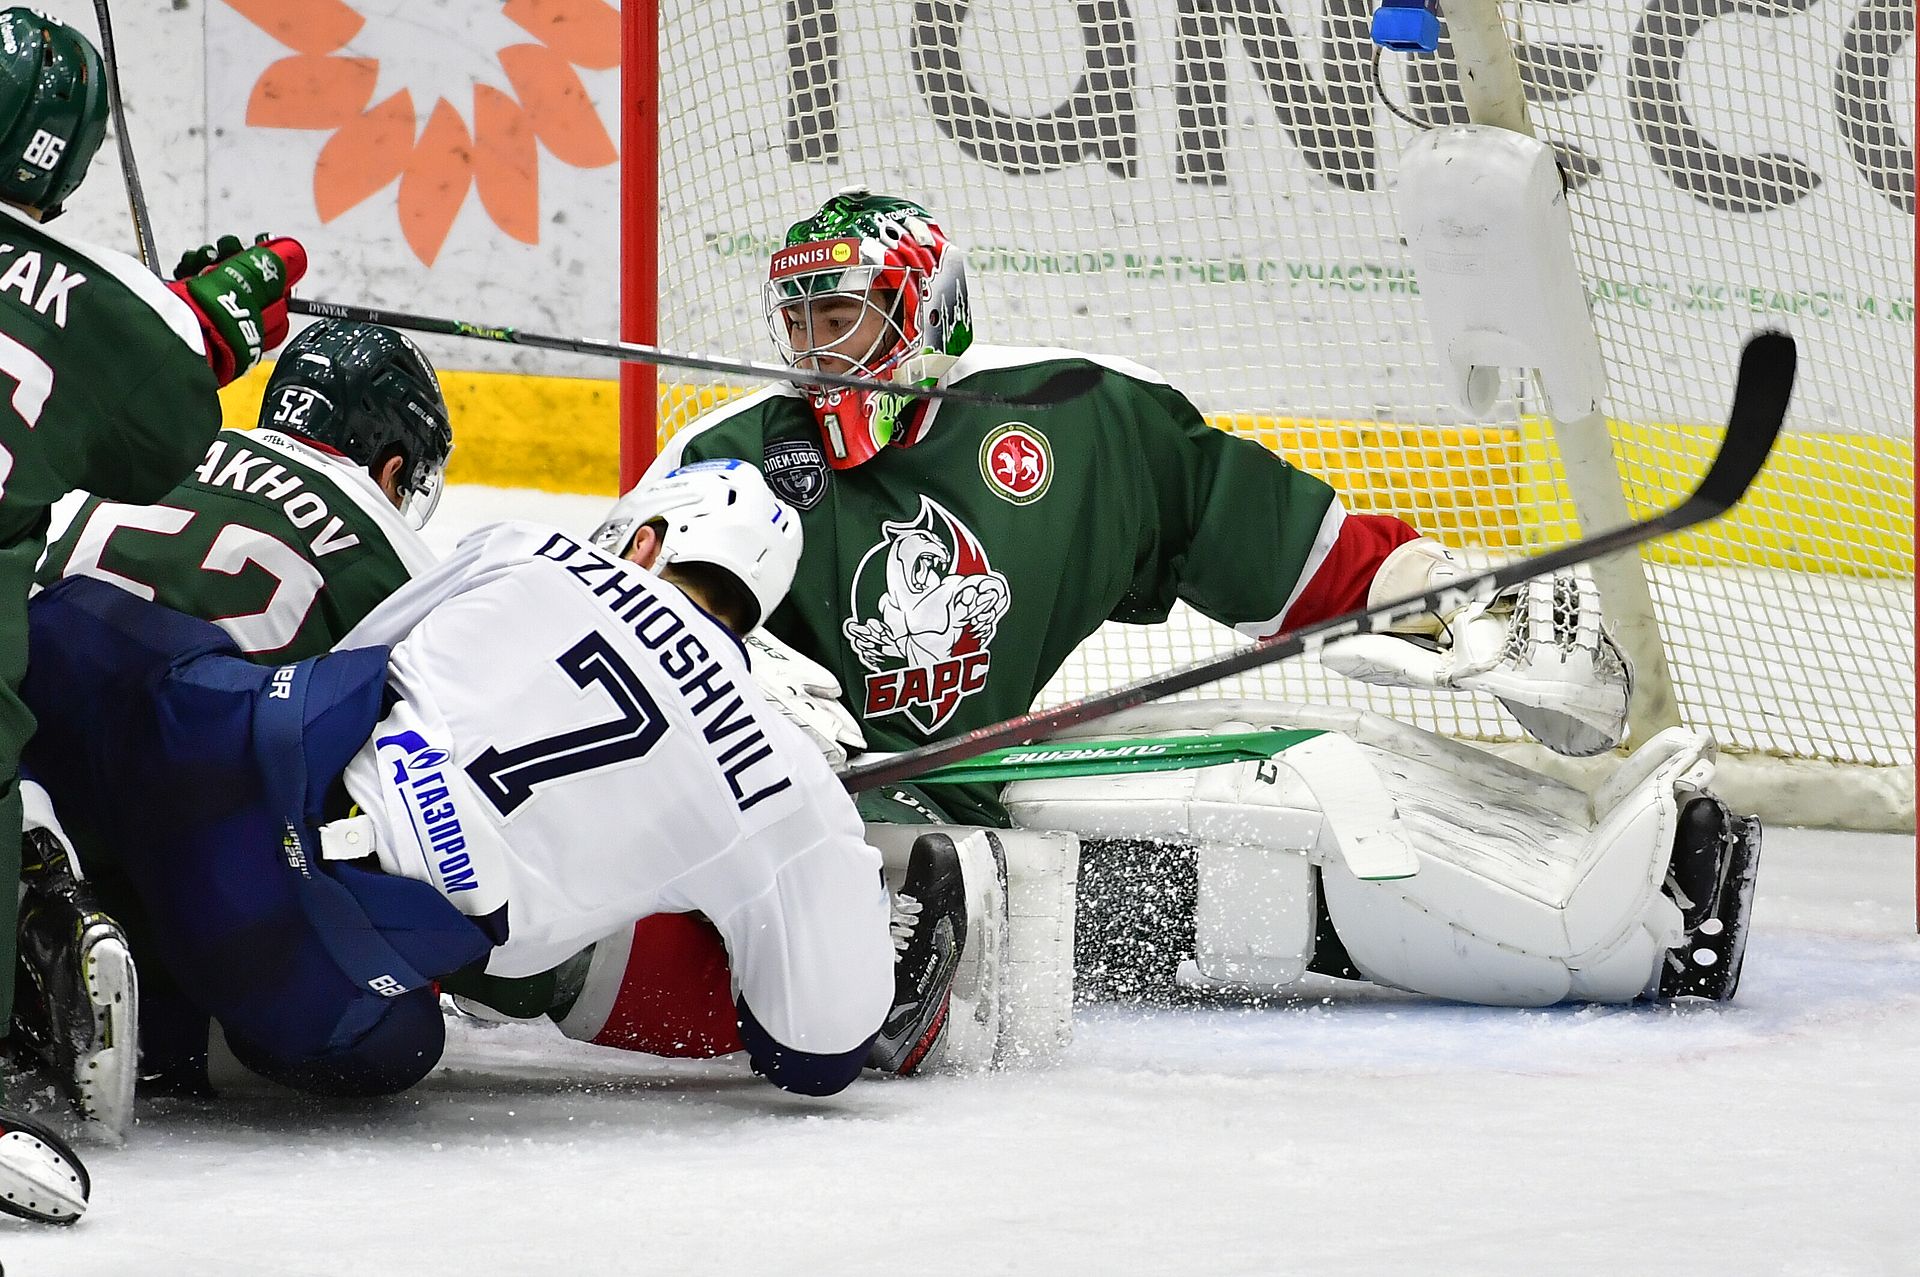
1760, 397
1068, 383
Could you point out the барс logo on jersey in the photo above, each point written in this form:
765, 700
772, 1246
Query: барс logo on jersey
1017, 462
926, 604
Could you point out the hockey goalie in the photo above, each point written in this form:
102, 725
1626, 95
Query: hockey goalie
958, 552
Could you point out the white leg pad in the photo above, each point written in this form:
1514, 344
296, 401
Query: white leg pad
1255, 828
1033, 988
1253, 923
1525, 891
1518, 907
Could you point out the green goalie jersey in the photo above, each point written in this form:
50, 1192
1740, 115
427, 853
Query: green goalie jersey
945, 583
284, 544
107, 390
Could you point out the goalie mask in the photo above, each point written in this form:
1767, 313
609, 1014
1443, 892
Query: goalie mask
53, 109
720, 513
368, 393
869, 285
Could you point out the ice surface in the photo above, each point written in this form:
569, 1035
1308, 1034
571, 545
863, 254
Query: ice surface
1349, 1132
1364, 1133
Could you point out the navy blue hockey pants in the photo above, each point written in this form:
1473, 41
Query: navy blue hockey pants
203, 777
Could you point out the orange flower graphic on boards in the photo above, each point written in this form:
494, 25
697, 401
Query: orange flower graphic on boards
326, 85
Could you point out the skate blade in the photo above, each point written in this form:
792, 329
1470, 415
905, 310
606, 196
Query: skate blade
1722, 939
104, 1077
971, 1042
1741, 879
40, 1180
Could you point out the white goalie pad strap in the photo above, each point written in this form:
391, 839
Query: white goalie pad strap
1361, 817
1013, 995
1255, 915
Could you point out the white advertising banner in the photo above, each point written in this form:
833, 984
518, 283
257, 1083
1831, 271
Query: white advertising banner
1200, 184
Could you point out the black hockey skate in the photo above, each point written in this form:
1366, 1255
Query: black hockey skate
1716, 856
76, 995
41, 1179
929, 931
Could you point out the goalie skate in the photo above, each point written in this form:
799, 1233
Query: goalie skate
41, 1179
1716, 859
77, 1003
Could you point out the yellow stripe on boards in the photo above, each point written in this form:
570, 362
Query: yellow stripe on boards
510, 430
1837, 503
1825, 503
1840, 503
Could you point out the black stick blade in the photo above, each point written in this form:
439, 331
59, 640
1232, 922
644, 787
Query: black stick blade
1760, 398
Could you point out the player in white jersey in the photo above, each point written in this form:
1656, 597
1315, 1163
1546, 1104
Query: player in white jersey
527, 748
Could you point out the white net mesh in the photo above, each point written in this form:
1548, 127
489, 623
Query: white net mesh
1202, 186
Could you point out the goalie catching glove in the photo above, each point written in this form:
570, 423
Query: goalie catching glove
807, 693
1540, 647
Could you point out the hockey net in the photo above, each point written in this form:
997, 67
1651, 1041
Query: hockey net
1203, 186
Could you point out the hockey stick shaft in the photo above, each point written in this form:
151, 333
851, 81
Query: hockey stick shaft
1066, 384
1759, 407
129, 172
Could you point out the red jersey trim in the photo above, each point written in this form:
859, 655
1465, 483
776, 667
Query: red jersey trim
1340, 570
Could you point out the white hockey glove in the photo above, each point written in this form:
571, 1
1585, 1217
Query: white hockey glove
806, 692
1540, 647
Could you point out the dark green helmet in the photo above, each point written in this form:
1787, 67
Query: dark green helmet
53, 109
369, 393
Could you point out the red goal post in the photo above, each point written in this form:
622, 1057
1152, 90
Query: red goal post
639, 230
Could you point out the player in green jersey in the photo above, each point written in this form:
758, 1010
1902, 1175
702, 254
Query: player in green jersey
285, 536
113, 377
957, 553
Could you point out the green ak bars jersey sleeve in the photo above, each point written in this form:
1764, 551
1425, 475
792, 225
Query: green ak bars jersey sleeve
944, 584
284, 544
104, 386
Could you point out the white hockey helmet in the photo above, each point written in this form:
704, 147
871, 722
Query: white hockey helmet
716, 512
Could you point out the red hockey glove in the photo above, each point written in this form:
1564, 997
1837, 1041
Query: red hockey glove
240, 297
